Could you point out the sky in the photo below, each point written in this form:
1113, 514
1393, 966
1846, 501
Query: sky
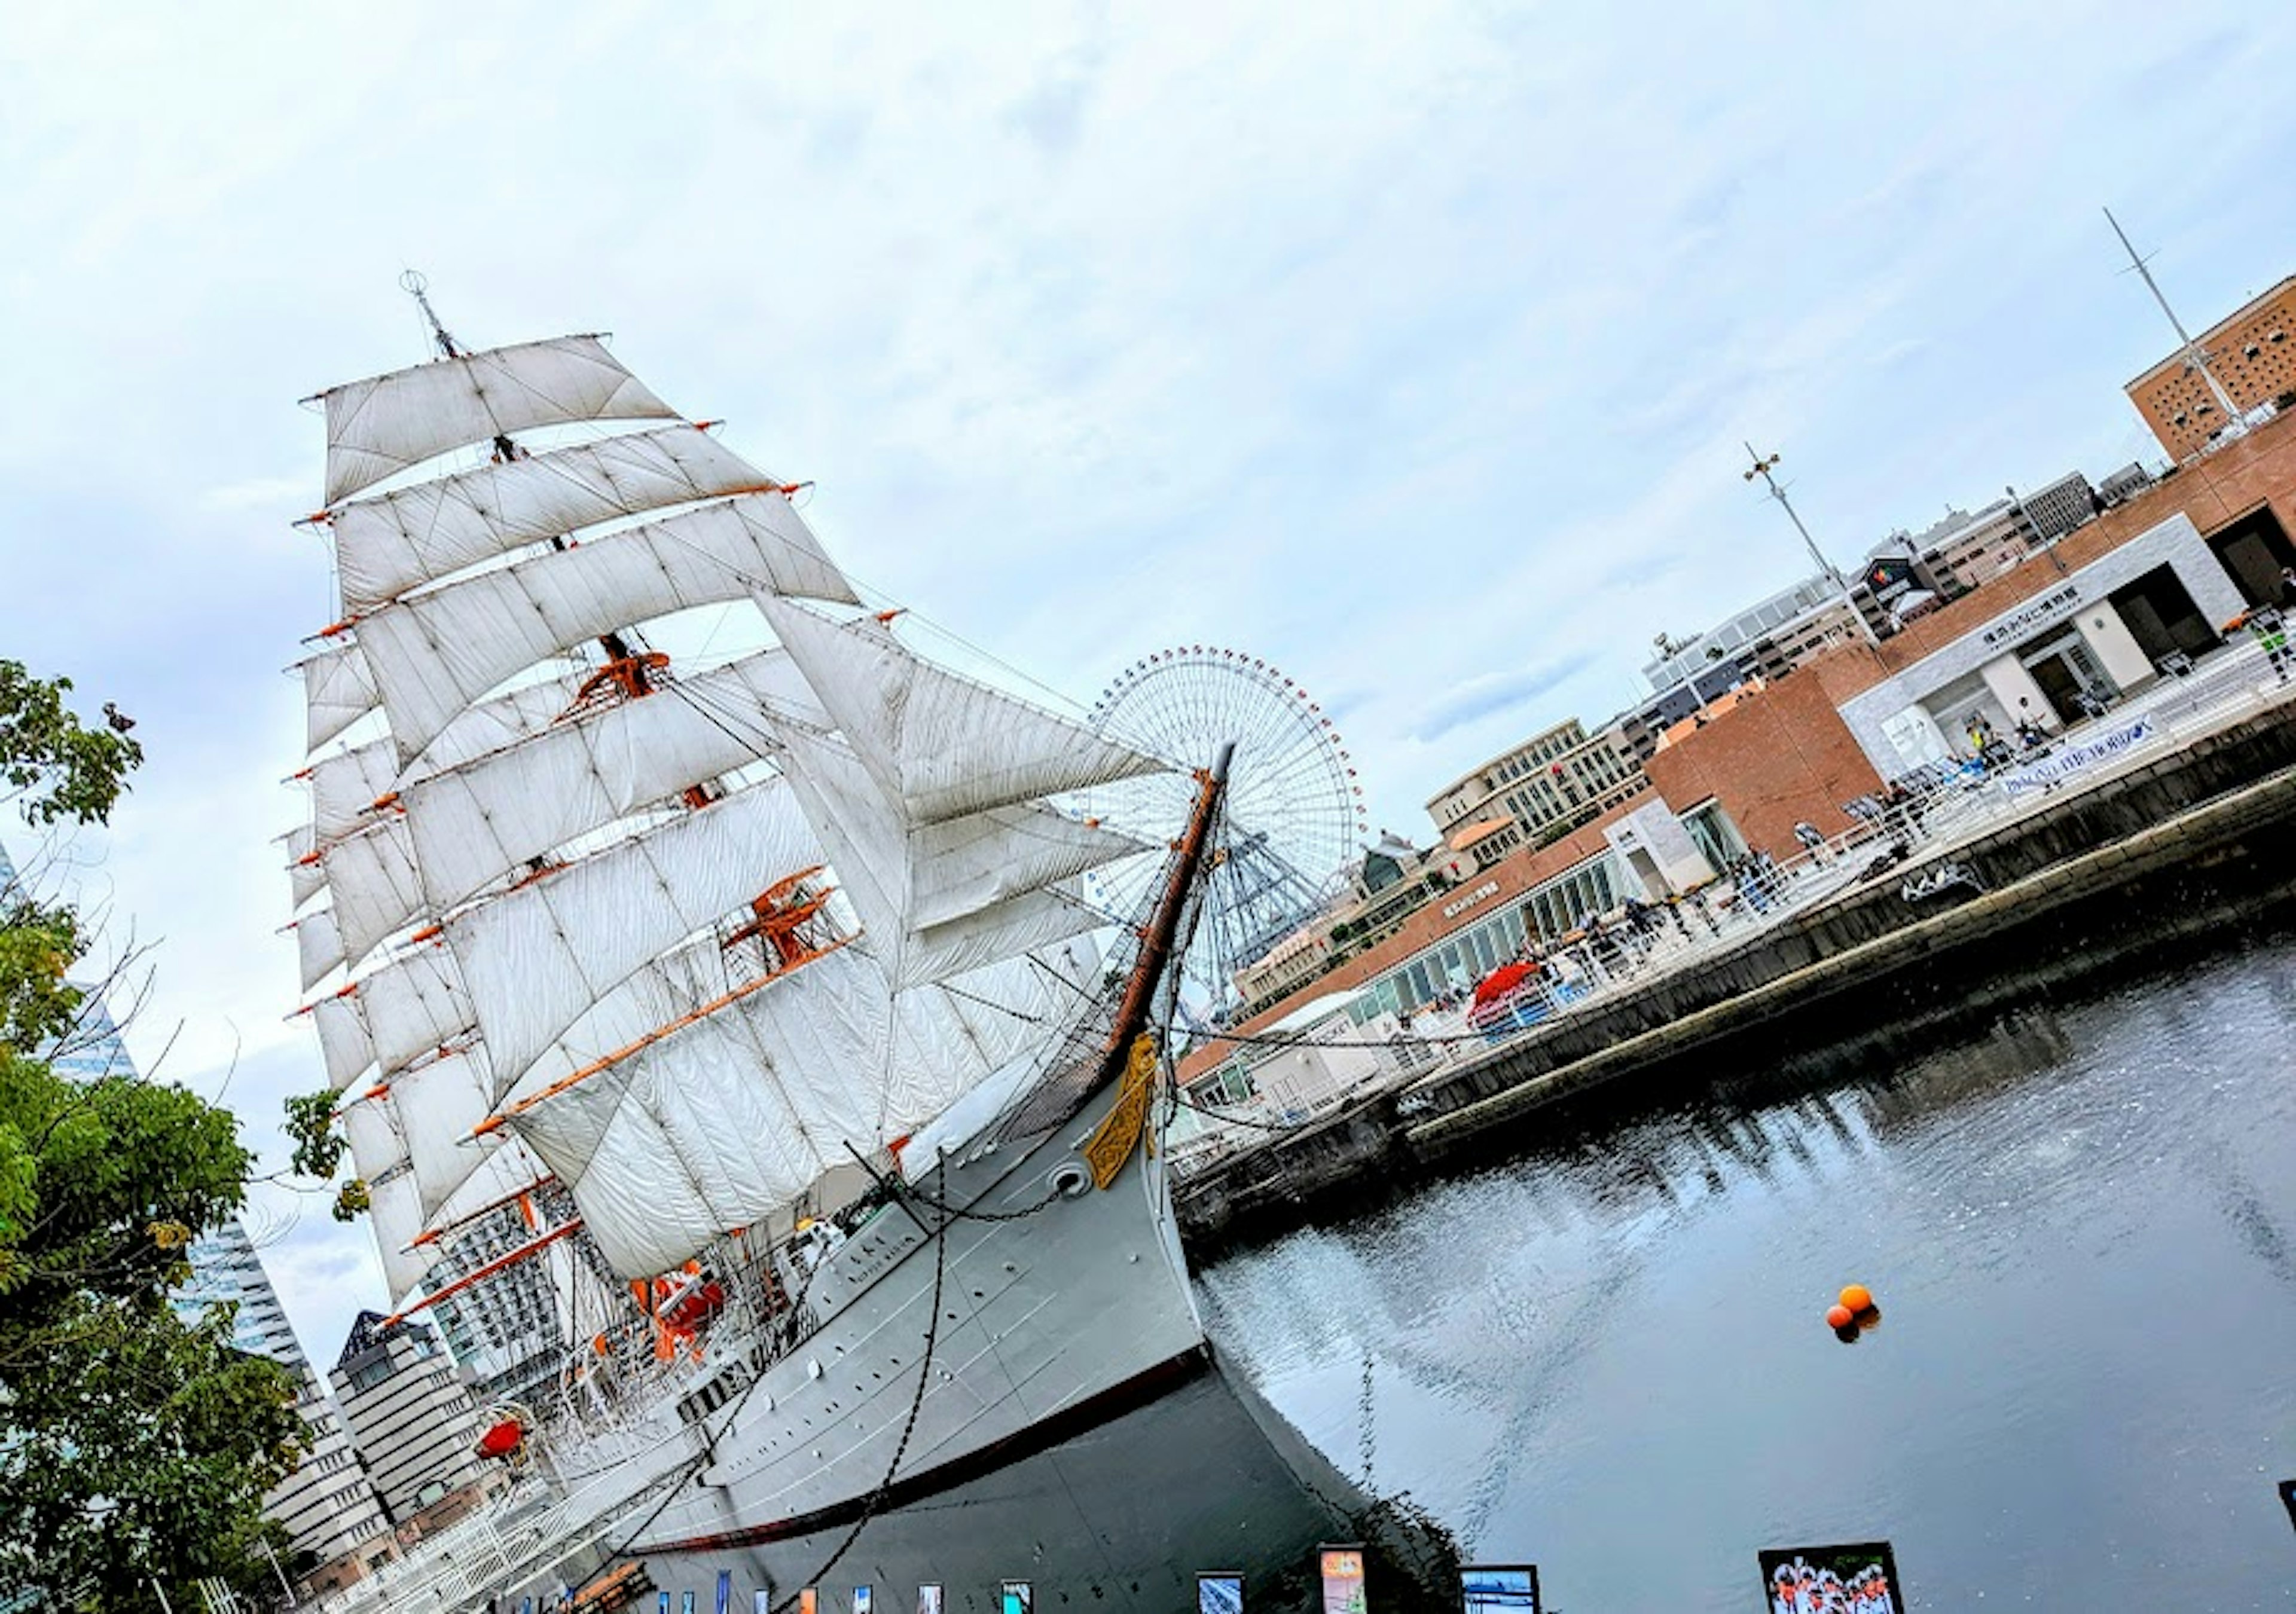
1409, 347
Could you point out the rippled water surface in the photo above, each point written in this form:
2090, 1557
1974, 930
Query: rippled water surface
1607, 1357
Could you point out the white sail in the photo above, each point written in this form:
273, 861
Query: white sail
1013, 863
413, 1006
345, 1048
345, 785
396, 1211
385, 547
374, 887
304, 875
437, 1104
474, 823
504, 1172
939, 744
378, 427
536, 959
394, 1206
435, 653
962, 866
338, 691
318, 949
1004, 932
729, 1118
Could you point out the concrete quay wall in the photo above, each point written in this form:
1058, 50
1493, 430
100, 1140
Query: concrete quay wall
2166, 852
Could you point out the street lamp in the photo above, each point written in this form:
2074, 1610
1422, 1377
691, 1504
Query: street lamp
1763, 468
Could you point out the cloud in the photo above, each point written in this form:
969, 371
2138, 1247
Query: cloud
1386, 347
1492, 693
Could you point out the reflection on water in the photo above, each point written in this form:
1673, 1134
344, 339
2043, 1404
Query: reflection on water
1611, 1350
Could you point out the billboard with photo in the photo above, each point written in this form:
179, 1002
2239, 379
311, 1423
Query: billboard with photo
1860, 1577
1343, 1580
1488, 1588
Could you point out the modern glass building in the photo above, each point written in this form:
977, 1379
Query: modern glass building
226, 1269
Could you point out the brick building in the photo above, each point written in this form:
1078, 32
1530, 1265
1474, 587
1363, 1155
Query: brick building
2252, 353
1780, 755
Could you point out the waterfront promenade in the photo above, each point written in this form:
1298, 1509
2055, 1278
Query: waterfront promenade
1973, 858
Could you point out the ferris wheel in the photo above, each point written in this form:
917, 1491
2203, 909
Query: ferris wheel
1295, 812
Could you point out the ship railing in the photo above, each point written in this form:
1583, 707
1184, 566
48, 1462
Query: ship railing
525, 1536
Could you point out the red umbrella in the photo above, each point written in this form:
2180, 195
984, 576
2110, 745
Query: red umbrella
1501, 982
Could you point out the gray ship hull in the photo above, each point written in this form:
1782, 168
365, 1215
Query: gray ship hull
1061, 1305
1120, 1517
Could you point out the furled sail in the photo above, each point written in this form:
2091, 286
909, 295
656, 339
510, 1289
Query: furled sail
735, 1114
474, 823
378, 426
433, 654
387, 546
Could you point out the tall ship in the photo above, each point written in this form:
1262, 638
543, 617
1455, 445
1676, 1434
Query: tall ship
689, 946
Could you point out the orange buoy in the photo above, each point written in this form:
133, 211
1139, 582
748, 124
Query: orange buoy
1857, 1297
1840, 1316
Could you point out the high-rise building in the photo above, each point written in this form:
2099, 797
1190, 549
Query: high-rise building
507, 1333
327, 1506
225, 1270
2252, 352
412, 1418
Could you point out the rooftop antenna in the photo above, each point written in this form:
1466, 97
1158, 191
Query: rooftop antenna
417, 285
2195, 356
1763, 467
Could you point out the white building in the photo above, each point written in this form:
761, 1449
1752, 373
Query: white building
412, 1416
2104, 629
327, 1506
1773, 635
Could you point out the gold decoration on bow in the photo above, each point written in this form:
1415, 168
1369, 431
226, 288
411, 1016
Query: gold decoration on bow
1110, 1142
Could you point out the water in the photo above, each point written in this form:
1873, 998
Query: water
1608, 1356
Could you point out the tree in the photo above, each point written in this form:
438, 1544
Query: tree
134, 1447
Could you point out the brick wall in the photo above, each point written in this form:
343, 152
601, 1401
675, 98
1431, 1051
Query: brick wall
1780, 755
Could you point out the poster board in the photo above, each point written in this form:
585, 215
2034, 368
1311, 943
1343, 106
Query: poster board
1499, 1588
1817, 1580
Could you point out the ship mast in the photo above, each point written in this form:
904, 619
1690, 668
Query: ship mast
625, 669
1157, 936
